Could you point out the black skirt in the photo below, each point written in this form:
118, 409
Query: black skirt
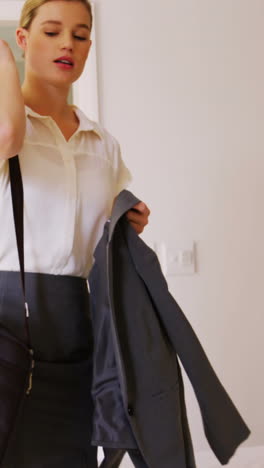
55, 426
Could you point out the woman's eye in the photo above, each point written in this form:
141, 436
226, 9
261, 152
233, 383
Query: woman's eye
76, 37
81, 38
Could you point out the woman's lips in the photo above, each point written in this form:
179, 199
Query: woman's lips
64, 66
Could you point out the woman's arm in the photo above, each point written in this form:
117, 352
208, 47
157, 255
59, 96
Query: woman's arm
12, 110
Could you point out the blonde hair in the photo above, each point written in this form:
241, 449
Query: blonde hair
30, 8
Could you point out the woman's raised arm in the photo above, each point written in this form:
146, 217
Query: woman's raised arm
12, 111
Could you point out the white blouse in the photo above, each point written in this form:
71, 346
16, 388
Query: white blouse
69, 188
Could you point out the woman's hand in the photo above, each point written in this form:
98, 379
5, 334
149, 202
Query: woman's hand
138, 217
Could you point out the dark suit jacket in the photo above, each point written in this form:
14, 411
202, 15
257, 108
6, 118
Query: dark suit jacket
140, 332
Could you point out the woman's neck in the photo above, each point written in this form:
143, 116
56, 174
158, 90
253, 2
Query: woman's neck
48, 102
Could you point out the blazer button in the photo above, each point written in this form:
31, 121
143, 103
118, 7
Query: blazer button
130, 410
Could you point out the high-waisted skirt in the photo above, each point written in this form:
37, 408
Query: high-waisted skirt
55, 425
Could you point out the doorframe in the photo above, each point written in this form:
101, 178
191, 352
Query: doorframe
85, 89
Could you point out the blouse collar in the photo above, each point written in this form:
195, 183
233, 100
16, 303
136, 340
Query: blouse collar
85, 123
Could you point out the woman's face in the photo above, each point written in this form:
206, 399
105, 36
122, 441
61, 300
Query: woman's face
60, 29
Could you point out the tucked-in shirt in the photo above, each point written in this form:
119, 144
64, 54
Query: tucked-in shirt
69, 188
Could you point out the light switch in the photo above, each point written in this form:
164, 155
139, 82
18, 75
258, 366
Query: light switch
181, 260
176, 261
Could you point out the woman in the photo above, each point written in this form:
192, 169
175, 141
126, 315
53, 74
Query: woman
72, 171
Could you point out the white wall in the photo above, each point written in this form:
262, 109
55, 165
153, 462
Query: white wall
181, 87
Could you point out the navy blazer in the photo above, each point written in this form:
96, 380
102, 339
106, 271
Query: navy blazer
139, 334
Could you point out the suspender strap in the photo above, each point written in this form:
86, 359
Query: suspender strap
18, 212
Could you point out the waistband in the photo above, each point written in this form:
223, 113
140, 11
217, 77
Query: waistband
49, 281
59, 306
